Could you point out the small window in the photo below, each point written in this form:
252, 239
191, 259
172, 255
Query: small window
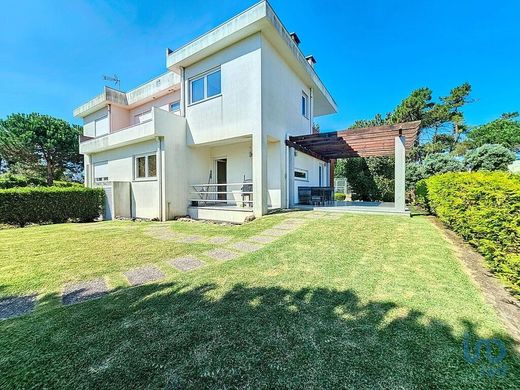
205, 87
305, 104
300, 174
143, 116
175, 107
101, 172
146, 166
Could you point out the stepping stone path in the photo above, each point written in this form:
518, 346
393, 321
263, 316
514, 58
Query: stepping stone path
219, 240
286, 226
186, 263
262, 239
276, 232
17, 306
163, 233
245, 246
222, 254
143, 275
190, 239
84, 291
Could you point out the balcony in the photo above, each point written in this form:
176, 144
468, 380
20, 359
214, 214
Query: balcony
162, 123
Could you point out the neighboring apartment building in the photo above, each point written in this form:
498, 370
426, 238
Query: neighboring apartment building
207, 138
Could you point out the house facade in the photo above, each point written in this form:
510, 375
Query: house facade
208, 137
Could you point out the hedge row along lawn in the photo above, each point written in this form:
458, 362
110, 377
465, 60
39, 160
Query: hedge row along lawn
21, 206
484, 208
362, 302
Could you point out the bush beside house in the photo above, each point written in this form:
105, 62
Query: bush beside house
484, 208
21, 206
15, 181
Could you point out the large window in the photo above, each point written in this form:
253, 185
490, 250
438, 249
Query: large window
101, 172
143, 116
305, 105
146, 166
205, 86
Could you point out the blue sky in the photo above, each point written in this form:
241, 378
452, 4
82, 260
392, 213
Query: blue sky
370, 54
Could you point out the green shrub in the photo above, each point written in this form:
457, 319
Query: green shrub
489, 157
20, 206
9, 180
441, 163
370, 178
484, 208
339, 196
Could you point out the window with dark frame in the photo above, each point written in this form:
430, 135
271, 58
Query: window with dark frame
146, 166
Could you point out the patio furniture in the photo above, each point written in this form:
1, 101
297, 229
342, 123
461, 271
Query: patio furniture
316, 196
247, 193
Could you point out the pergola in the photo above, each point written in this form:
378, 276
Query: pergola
374, 141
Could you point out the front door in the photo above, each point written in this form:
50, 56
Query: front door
222, 178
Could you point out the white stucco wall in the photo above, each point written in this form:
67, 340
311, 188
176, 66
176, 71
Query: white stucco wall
281, 96
145, 194
311, 165
236, 112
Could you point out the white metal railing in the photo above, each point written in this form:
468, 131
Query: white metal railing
222, 194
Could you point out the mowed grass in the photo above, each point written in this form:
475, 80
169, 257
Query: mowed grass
362, 302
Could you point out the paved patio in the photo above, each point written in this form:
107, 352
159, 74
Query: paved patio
357, 207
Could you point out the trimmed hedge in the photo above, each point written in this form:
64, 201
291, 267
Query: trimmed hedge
14, 181
484, 208
20, 206
339, 196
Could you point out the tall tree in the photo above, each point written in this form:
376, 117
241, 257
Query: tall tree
39, 142
504, 131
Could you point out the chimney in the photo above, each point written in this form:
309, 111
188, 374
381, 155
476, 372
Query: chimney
295, 38
311, 60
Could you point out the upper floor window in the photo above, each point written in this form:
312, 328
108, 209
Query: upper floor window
143, 116
305, 105
146, 166
205, 86
101, 126
175, 107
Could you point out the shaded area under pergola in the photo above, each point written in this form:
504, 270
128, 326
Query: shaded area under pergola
373, 141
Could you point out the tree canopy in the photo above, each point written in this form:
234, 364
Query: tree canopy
504, 131
40, 144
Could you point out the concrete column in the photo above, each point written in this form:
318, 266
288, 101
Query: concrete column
290, 176
259, 174
400, 161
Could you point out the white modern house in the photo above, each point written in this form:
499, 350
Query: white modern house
208, 137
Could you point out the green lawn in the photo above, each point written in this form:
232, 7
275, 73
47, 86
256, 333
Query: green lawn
362, 302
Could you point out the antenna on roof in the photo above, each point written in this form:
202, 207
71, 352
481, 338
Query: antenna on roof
114, 79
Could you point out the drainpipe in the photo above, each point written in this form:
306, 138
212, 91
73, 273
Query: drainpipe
109, 113
183, 92
159, 176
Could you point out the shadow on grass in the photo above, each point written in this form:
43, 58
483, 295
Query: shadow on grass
170, 336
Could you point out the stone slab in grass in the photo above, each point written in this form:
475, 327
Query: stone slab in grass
222, 254
275, 232
143, 275
245, 246
84, 291
286, 226
190, 239
186, 263
314, 216
219, 240
296, 221
163, 233
16, 306
262, 239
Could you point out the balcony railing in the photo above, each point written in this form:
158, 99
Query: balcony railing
222, 195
